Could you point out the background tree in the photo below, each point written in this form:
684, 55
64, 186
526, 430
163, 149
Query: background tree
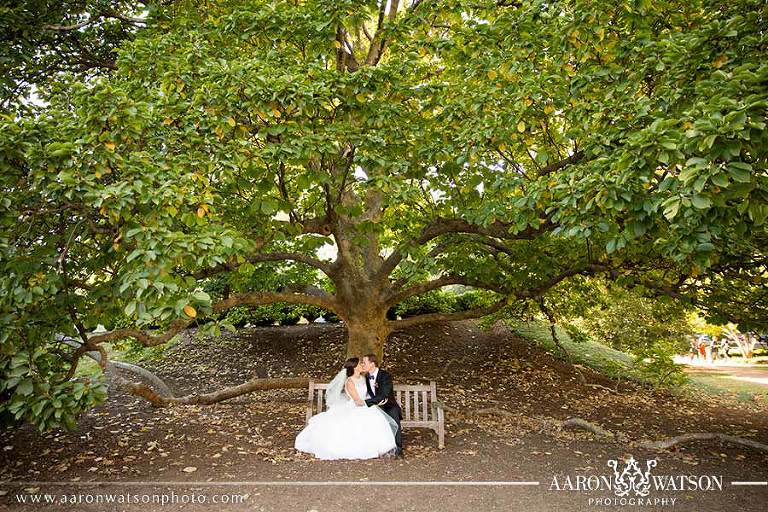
503, 146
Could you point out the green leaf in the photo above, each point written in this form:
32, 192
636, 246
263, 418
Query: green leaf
739, 174
268, 206
671, 210
25, 387
720, 179
701, 202
201, 296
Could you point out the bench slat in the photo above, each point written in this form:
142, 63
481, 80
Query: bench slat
416, 406
411, 387
424, 424
309, 399
408, 405
424, 405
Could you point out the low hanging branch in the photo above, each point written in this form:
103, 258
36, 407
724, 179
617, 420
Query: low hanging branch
552, 329
160, 395
250, 386
100, 357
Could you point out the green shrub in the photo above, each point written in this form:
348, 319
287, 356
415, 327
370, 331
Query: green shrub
290, 314
654, 363
238, 316
268, 314
331, 317
472, 299
312, 313
435, 301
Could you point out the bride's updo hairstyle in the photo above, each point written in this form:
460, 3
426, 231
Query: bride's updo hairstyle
350, 365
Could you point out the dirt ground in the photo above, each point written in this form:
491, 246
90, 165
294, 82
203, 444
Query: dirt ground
243, 449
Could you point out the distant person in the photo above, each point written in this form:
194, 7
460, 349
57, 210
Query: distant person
694, 350
726, 348
715, 348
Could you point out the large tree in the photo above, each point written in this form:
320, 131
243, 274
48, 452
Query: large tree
505, 146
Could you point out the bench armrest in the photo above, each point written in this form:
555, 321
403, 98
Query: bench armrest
439, 409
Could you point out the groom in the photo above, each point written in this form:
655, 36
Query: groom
380, 389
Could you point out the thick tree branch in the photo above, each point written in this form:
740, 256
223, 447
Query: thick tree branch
99, 355
66, 28
530, 293
259, 384
533, 293
128, 19
701, 436
401, 295
565, 162
160, 395
345, 54
396, 325
317, 225
442, 225
379, 42
495, 245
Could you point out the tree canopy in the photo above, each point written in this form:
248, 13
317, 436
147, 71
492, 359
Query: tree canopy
504, 145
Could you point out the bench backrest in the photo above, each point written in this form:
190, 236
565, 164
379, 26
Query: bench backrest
415, 401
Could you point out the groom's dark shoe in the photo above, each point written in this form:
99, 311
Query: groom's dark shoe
399, 453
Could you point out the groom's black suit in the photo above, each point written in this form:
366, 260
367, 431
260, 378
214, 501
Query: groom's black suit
385, 391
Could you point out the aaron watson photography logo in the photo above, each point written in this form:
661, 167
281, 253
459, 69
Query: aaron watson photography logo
634, 484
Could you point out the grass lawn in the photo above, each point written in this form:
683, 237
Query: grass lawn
589, 353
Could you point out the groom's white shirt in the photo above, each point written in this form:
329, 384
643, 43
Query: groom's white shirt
372, 381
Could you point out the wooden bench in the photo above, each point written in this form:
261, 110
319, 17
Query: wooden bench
419, 404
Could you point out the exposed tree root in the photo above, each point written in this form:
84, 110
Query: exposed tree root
586, 425
580, 423
664, 444
599, 386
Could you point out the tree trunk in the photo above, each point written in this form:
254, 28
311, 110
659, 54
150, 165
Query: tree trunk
359, 292
366, 337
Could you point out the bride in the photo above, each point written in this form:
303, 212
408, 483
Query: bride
348, 429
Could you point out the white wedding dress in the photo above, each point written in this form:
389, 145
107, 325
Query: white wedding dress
348, 431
